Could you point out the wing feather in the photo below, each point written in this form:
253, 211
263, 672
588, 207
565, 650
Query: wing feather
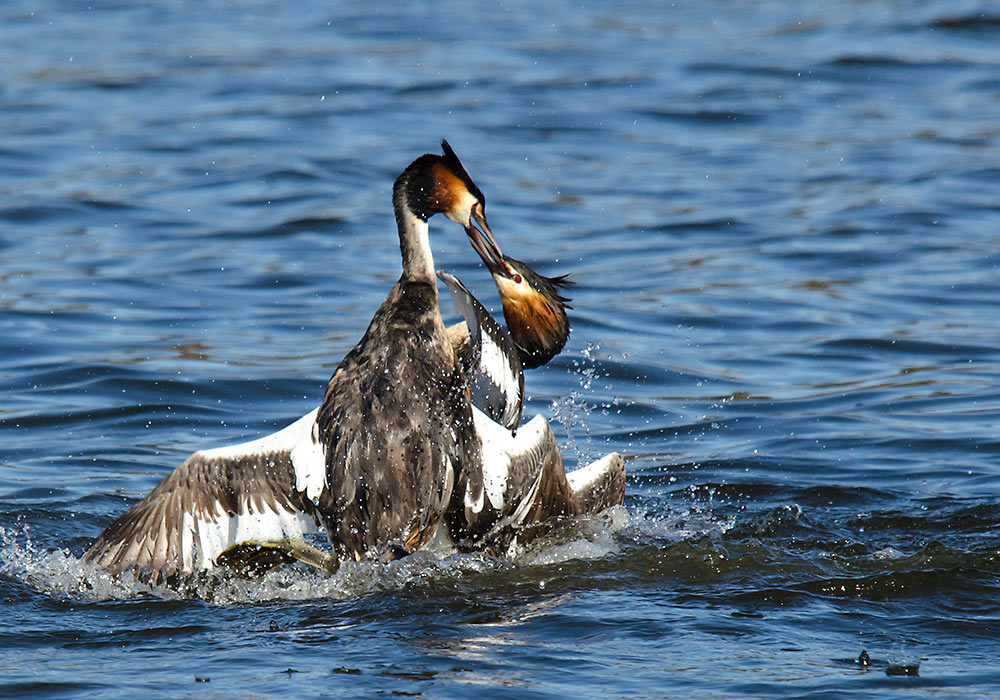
527, 487
215, 499
491, 364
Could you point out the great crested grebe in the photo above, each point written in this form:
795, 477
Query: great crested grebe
533, 308
395, 453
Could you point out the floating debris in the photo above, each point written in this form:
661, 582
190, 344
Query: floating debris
902, 670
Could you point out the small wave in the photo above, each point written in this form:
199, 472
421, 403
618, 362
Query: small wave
59, 573
702, 116
588, 537
967, 23
693, 522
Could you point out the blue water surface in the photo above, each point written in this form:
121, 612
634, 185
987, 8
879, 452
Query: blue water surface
784, 225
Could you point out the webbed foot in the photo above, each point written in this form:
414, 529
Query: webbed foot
252, 559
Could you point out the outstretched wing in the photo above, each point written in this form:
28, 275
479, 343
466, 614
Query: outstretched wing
261, 490
496, 382
527, 487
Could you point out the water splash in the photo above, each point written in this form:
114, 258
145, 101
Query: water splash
571, 410
586, 537
692, 522
57, 572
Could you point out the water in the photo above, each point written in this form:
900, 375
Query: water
784, 225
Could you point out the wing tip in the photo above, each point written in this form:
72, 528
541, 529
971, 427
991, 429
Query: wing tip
599, 485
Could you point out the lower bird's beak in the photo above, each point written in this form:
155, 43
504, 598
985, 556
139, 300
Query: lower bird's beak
485, 244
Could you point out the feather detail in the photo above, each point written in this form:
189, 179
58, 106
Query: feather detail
491, 364
212, 501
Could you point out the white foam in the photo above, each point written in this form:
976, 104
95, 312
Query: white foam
58, 572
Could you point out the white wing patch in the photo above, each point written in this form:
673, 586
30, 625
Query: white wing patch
218, 531
218, 534
213, 538
186, 522
500, 448
495, 363
585, 477
492, 365
300, 439
309, 461
187, 543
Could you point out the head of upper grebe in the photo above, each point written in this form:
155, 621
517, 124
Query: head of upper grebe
534, 309
435, 184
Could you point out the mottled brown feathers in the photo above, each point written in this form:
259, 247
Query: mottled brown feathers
395, 448
398, 427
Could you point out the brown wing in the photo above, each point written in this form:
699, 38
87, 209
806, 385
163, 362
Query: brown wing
492, 368
526, 487
217, 498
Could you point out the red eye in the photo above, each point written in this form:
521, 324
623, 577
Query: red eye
517, 279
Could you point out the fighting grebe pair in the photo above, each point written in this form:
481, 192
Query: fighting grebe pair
417, 435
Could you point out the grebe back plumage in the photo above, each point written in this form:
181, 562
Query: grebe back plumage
396, 419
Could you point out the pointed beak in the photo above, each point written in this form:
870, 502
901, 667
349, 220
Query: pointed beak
485, 244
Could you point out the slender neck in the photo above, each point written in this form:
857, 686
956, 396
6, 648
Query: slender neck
414, 243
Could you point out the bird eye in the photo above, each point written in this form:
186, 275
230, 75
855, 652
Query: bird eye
517, 279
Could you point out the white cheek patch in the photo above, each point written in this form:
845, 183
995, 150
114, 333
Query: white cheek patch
461, 208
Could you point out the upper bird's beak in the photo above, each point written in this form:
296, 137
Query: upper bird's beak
485, 244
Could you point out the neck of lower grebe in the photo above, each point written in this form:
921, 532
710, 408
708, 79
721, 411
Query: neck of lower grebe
414, 244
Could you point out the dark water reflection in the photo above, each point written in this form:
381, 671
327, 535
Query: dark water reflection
784, 227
